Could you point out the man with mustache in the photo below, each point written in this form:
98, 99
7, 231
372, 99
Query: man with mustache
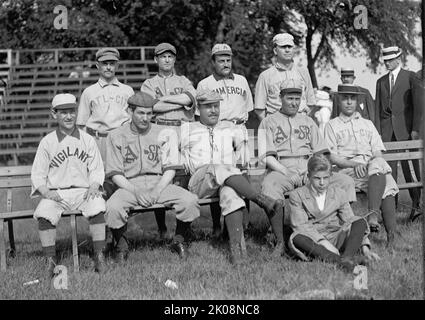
237, 99
142, 159
103, 105
211, 149
267, 88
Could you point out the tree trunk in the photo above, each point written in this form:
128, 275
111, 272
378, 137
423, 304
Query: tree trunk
310, 60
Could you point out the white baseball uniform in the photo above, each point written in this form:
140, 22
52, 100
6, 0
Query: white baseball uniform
68, 164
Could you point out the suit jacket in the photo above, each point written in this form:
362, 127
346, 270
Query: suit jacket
368, 111
419, 97
398, 113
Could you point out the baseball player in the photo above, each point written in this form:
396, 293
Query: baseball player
141, 160
324, 224
211, 149
356, 148
176, 99
267, 88
103, 105
286, 140
67, 173
236, 95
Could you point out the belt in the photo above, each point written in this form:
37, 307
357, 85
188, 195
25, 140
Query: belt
164, 122
294, 157
95, 133
236, 121
71, 187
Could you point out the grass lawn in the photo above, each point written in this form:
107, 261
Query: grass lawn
207, 274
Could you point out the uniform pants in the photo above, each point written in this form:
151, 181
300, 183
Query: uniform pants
182, 201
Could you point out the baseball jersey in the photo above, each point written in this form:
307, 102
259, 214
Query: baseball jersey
132, 154
223, 144
353, 137
160, 86
267, 88
236, 94
65, 161
280, 135
103, 105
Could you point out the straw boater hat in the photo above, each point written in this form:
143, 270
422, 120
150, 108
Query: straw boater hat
347, 71
391, 53
349, 89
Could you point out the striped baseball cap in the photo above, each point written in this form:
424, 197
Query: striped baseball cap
290, 86
391, 53
64, 101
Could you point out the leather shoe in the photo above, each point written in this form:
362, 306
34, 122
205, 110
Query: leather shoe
347, 264
179, 248
374, 225
99, 262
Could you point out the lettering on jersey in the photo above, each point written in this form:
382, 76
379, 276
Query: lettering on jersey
104, 100
304, 132
152, 152
177, 91
158, 92
64, 154
129, 155
231, 90
280, 135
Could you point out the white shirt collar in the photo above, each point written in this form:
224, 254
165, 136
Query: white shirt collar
395, 72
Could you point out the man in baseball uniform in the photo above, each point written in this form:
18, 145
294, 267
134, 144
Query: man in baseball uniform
141, 160
175, 97
286, 140
356, 148
211, 149
365, 106
103, 105
236, 98
267, 88
67, 173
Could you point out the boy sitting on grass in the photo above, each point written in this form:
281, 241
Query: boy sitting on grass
323, 222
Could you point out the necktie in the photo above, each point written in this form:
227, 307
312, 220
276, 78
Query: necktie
392, 82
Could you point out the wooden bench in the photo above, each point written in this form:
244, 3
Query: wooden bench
14, 178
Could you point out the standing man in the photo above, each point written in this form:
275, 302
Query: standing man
211, 149
175, 100
267, 88
398, 117
175, 93
236, 99
67, 173
141, 160
286, 140
103, 105
356, 150
365, 106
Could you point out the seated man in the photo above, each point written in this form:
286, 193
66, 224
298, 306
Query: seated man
286, 140
208, 148
323, 223
141, 160
356, 148
68, 172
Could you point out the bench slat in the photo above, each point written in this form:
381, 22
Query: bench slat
15, 171
30, 213
403, 156
15, 182
397, 145
410, 185
18, 151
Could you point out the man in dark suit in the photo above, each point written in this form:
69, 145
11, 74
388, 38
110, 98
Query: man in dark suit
366, 105
398, 115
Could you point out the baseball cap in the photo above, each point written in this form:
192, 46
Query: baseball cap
106, 54
141, 99
64, 101
290, 86
221, 48
283, 39
347, 71
163, 47
206, 96
391, 53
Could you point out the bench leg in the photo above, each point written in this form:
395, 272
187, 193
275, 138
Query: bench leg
2, 247
11, 238
74, 243
160, 220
